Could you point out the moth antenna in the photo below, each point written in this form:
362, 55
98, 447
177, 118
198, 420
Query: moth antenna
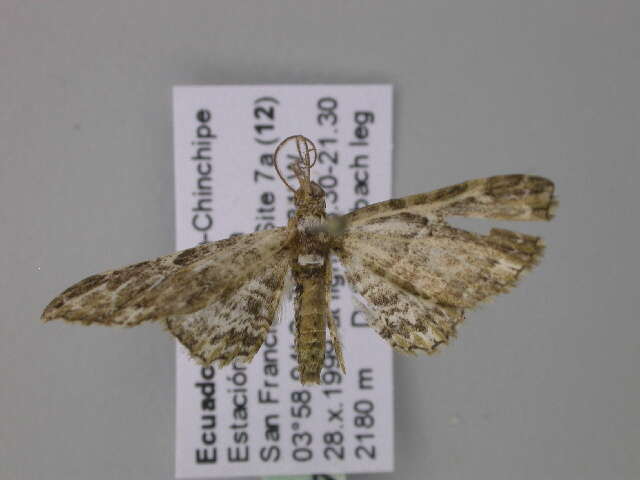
307, 157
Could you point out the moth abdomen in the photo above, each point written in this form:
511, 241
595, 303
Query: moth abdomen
312, 309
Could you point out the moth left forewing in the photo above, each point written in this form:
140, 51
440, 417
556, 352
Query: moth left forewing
111, 297
217, 298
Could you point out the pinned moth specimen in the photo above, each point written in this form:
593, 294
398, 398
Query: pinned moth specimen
412, 272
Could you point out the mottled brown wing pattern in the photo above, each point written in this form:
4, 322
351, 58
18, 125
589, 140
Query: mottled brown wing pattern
445, 264
416, 274
239, 279
503, 197
400, 315
234, 326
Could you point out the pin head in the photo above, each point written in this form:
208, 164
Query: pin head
301, 166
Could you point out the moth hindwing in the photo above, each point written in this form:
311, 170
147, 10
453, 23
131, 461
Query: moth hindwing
413, 273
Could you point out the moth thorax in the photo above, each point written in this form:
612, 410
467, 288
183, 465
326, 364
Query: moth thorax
312, 240
311, 224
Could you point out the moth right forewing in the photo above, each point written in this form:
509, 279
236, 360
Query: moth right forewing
503, 197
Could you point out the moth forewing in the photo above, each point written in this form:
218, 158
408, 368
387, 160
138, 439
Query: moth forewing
177, 284
503, 197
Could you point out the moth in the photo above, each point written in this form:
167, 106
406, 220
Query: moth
412, 272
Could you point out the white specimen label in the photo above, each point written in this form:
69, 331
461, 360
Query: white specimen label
256, 419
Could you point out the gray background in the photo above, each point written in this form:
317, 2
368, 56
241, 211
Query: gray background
541, 384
